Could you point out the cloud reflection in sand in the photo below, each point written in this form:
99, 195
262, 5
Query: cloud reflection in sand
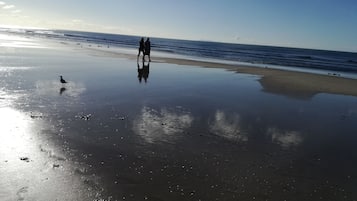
164, 125
228, 127
52, 87
286, 139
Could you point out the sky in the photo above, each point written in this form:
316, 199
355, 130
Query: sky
316, 24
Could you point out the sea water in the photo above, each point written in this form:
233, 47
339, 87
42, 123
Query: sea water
266, 56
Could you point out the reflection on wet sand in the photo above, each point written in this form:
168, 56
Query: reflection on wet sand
51, 87
164, 125
117, 140
228, 127
143, 70
287, 139
35, 166
13, 132
301, 85
11, 41
31, 166
62, 89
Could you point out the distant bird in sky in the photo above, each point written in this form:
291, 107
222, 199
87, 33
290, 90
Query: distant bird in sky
62, 80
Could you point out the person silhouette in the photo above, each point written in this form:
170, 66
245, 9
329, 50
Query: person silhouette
141, 47
147, 46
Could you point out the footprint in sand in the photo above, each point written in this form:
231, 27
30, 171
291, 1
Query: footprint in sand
21, 193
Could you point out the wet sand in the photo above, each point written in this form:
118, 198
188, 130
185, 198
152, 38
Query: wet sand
298, 84
285, 82
170, 129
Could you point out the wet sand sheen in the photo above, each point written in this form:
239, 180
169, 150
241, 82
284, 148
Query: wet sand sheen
297, 84
284, 81
188, 133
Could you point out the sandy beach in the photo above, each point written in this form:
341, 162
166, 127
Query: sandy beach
299, 84
170, 129
285, 82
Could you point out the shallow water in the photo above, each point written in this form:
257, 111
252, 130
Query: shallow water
186, 133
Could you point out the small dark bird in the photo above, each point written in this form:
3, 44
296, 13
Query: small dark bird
62, 80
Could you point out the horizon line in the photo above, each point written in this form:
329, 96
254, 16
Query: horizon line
174, 38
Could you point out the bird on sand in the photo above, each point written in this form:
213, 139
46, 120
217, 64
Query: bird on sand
62, 80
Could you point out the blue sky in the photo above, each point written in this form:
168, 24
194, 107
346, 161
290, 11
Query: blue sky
320, 24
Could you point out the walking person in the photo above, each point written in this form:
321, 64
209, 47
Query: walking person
147, 46
141, 47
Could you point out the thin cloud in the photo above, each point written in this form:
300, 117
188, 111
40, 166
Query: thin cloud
16, 11
2, 3
79, 24
76, 21
8, 7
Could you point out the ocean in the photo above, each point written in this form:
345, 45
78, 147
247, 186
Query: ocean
266, 56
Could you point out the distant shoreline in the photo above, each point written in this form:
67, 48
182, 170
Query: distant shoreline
279, 81
302, 84
298, 84
34, 31
291, 58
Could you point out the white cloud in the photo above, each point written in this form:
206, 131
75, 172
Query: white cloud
16, 11
228, 127
154, 126
82, 25
8, 7
76, 21
2, 3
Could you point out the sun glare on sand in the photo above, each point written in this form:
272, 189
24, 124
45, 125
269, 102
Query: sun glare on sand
13, 130
18, 41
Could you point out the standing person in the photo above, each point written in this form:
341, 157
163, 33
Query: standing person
141, 47
147, 48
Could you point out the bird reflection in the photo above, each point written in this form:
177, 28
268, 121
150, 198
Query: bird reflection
143, 71
63, 82
63, 89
